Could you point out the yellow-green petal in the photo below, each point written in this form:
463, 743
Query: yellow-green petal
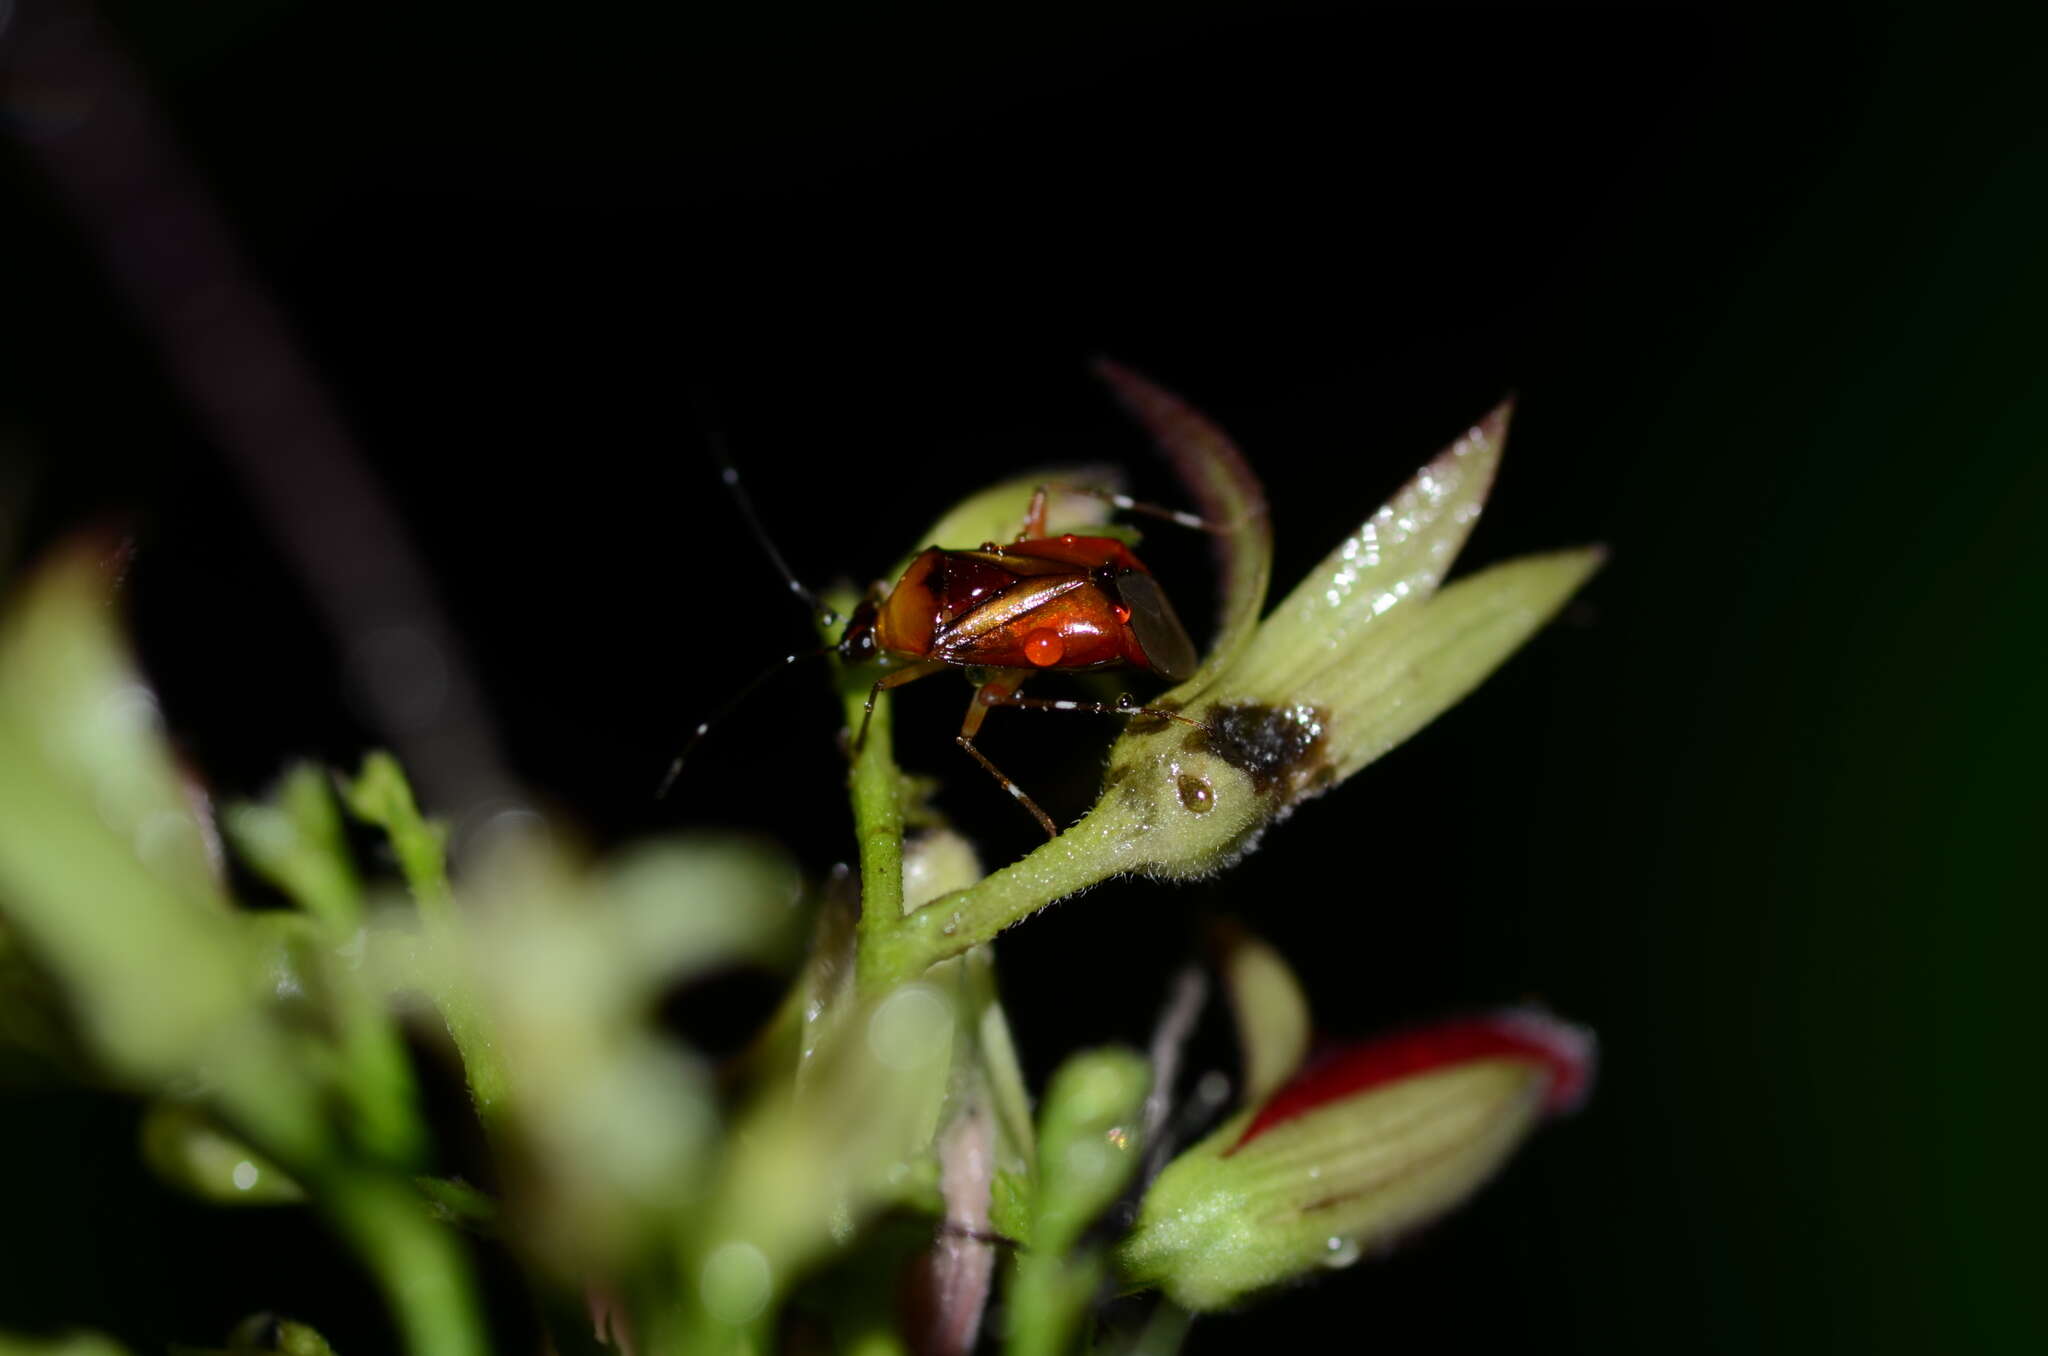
1270, 1009
1226, 494
1394, 561
1329, 1186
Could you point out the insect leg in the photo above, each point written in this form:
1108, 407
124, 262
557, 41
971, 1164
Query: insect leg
999, 691
1130, 505
1034, 516
1122, 706
732, 704
901, 676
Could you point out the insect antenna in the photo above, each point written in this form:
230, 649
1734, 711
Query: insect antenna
729, 476
1124, 503
732, 704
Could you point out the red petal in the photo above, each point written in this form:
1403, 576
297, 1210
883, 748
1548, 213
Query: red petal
1564, 1051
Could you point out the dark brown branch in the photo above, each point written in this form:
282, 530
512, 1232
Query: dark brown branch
75, 102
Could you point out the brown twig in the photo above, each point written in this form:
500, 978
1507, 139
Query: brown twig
74, 100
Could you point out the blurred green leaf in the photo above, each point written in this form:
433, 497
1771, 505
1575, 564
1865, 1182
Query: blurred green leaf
801, 1173
32, 1018
188, 1149
1011, 1205
76, 1344
454, 1201
608, 1125
266, 1333
297, 842
314, 960
1005, 1073
381, 795
68, 683
102, 871
1162, 1334
604, 1123
106, 877
682, 906
1088, 1147
1088, 1134
1270, 1008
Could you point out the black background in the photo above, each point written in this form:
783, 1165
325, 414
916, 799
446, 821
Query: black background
1760, 809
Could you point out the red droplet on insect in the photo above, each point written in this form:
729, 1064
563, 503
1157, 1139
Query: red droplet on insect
1067, 539
1123, 614
1044, 648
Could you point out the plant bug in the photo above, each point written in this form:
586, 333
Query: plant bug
1069, 603
1001, 613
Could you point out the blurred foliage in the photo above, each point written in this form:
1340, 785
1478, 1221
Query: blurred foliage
653, 1200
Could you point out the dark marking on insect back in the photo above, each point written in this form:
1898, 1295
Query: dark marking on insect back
1279, 747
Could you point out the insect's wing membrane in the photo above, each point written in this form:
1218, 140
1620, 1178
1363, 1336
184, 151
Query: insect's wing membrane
1157, 627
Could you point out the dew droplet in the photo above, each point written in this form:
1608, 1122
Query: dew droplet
1342, 1253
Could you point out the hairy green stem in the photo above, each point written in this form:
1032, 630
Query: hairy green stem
877, 788
959, 922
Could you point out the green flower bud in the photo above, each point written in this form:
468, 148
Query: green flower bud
1360, 1148
1364, 652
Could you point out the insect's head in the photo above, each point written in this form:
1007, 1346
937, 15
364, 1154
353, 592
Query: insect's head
857, 645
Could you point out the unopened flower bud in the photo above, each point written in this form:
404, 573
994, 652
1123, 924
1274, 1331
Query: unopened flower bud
1362, 1146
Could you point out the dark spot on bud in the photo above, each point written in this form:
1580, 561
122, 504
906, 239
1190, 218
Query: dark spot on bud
1196, 795
1279, 747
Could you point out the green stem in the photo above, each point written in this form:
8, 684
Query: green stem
1047, 1300
382, 796
877, 788
425, 868
418, 1264
1096, 847
1164, 1332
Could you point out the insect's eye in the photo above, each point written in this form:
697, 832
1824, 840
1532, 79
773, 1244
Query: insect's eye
858, 644
1160, 634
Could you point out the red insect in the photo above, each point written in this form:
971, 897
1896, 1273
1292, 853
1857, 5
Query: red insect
1003, 613
1068, 602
